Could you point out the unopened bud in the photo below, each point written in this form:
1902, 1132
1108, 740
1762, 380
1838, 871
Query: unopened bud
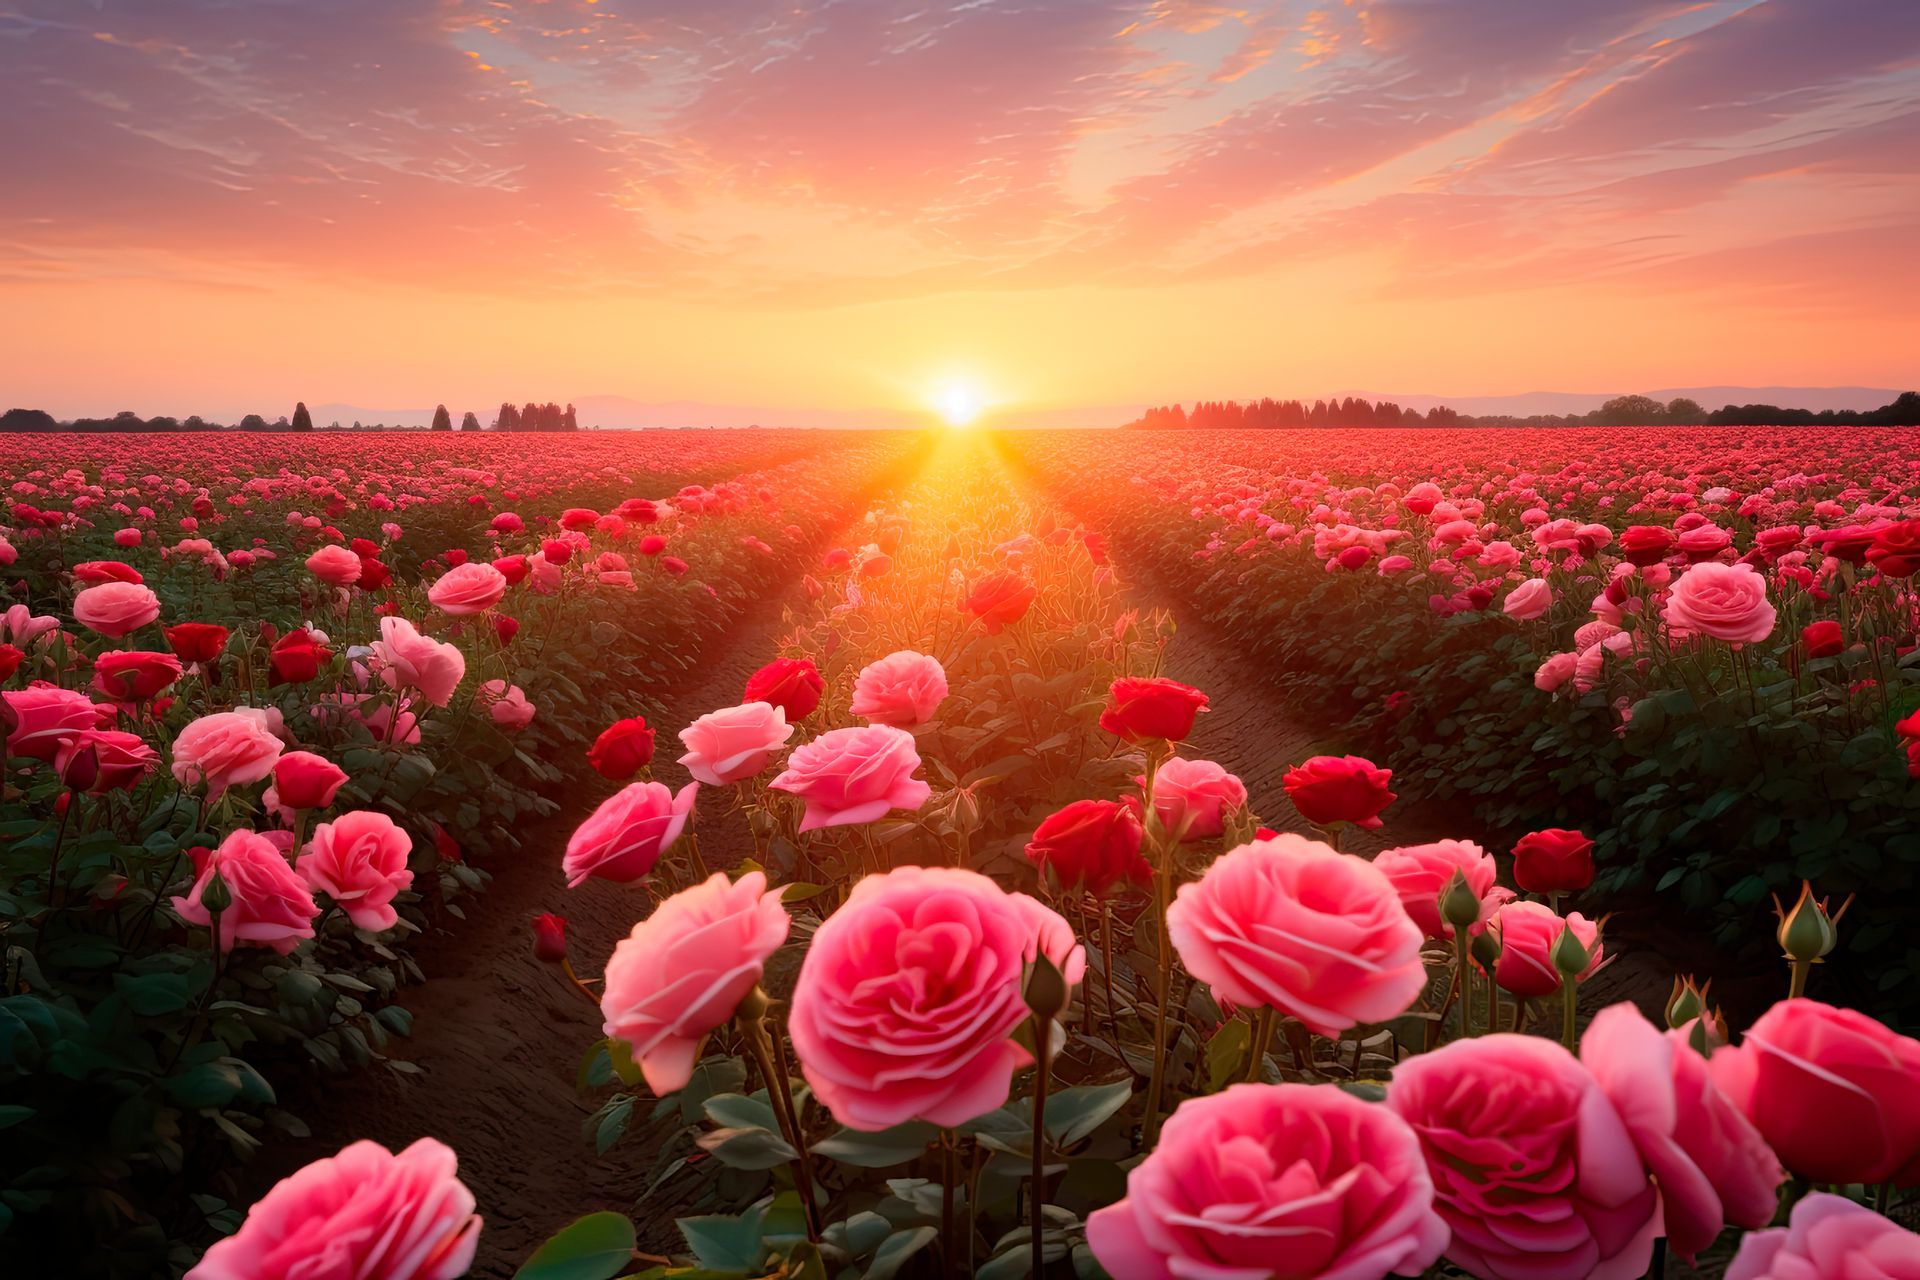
1686, 1002
1486, 950
753, 1006
1708, 1033
216, 897
1570, 955
550, 937
1459, 905
1807, 932
1046, 990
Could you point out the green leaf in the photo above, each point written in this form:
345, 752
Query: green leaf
896, 1249
596, 1247
11, 1115
1073, 1114
1226, 1052
756, 1149
724, 1241
738, 1111
880, 1150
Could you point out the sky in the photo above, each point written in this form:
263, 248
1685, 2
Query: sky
1048, 206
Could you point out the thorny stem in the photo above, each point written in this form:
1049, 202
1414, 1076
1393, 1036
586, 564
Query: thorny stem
780, 1097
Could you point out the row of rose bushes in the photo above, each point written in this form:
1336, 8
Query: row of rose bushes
1169, 1042
218, 704
1700, 647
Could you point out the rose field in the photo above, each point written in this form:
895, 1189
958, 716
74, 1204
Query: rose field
829, 854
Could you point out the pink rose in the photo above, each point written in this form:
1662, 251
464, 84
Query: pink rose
1556, 671
360, 861
270, 904
1834, 1093
1289, 923
1529, 600
1724, 601
1420, 873
226, 749
409, 660
1829, 1237
852, 776
910, 993
684, 970
1533, 1168
334, 565
1195, 796
1527, 932
115, 609
507, 705
726, 746
365, 1214
1713, 1167
114, 760
43, 716
1288, 1180
473, 587
623, 838
304, 780
902, 689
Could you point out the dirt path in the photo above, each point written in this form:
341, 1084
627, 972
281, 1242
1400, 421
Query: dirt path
498, 1037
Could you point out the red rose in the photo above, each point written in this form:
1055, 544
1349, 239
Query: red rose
1553, 861
999, 600
512, 568
1645, 544
550, 937
792, 684
106, 571
1091, 845
296, 657
10, 660
1823, 639
373, 574
197, 641
623, 749
556, 551
1142, 709
133, 675
505, 627
1849, 543
1896, 549
1333, 789
303, 780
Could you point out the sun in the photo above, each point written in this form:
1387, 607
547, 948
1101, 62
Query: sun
958, 403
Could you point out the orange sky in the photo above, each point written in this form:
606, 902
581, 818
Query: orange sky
847, 206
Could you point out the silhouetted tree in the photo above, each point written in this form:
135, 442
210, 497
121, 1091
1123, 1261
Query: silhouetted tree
1683, 409
28, 420
302, 420
442, 421
469, 422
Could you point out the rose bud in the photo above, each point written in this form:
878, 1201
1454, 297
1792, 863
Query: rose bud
1823, 639
550, 937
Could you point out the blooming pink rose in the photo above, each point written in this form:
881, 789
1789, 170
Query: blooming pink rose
360, 861
1529, 600
1195, 796
43, 716
103, 760
226, 749
852, 776
507, 705
1287, 1180
365, 1214
1556, 671
304, 780
334, 565
1713, 1167
902, 689
1527, 932
1724, 601
473, 587
409, 660
1290, 923
725, 746
684, 970
1829, 1237
1834, 1093
115, 609
270, 904
1532, 1166
1420, 873
623, 838
910, 993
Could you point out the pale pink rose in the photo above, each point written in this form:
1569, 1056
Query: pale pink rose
1420, 873
623, 838
1724, 601
335, 565
903, 689
270, 904
1290, 923
1290, 1180
1533, 1168
848, 777
1556, 671
725, 746
409, 660
1527, 932
365, 1214
115, 609
910, 994
473, 587
1529, 600
360, 861
1829, 1237
507, 705
1713, 1167
45, 716
1194, 797
226, 749
684, 970
21, 627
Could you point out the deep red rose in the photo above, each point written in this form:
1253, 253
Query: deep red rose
1554, 860
1849, 543
550, 937
512, 568
792, 684
1091, 845
10, 660
1334, 789
1149, 708
1645, 544
106, 571
556, 551
297, 657
623, 749
197, 641
1822, 639
374, 574
999, 600
133, 675
505, 627
1896, 549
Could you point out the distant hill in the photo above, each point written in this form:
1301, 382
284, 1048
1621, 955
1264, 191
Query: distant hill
1858, 399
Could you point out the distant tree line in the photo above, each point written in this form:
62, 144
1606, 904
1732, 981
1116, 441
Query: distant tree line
1621, 411
531, 417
